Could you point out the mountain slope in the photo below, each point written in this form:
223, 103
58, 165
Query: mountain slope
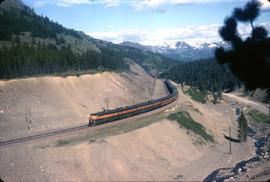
207, 75
34, 45
56, 102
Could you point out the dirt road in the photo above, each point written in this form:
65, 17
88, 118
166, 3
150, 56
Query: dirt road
255, 105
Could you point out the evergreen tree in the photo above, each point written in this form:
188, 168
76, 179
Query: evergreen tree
242, 127
17, 39
21, 59
206, 75
249, 58
249, 13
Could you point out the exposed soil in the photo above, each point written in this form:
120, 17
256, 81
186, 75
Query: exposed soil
247, 102
148, 148
46, 103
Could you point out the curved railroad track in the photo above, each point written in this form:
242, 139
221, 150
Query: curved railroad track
155, 105
42, 135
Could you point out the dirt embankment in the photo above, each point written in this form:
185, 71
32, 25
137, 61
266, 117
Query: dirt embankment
46, 103
157, 149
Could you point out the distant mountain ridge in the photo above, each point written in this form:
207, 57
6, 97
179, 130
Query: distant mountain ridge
32, 45
181, 50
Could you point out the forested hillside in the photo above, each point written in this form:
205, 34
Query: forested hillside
16, 21
34, 45
26, 60
205, 75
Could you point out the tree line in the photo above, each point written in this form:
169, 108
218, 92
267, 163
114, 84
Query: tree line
14, 21
205, 75
21, 60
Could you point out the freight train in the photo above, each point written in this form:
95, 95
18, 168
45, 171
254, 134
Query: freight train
128, 111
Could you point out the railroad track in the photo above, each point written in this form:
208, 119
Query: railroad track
42, 135
110, 116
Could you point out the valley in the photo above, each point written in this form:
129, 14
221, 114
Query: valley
185, 110
152, 147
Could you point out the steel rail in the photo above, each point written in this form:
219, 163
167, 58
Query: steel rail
50, 133
42, 135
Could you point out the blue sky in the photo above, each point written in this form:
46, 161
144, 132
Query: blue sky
151, 22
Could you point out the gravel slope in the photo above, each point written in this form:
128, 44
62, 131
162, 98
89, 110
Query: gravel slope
160, 150
57, 102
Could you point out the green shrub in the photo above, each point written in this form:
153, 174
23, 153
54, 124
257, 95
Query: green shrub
184, 120
62, 142
259, 117
196, 95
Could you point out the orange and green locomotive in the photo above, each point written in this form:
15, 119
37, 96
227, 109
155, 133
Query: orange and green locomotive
128, 111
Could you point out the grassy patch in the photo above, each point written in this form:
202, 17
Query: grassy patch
259, 117
196, 95
184, 120
62, 142
104, 132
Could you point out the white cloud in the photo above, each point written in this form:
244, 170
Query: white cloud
63, 3
190, 34
170, 36
109, 26
117, 37
111, 3
137, 4
38, 4
157, 3
265, 4
67, 3
245, 29
151, 4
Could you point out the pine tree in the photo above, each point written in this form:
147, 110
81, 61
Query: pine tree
249, 58
249, 13
242, 127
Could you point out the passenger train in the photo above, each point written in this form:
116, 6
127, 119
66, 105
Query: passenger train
132, 110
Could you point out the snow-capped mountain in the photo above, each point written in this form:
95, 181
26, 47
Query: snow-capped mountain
180, 50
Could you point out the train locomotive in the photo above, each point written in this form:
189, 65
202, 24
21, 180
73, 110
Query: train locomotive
132, 110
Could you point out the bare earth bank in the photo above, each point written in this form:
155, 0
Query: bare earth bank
150, 148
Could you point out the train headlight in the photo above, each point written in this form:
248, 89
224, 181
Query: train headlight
92, 118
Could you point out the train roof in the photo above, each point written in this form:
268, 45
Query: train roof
172, 91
